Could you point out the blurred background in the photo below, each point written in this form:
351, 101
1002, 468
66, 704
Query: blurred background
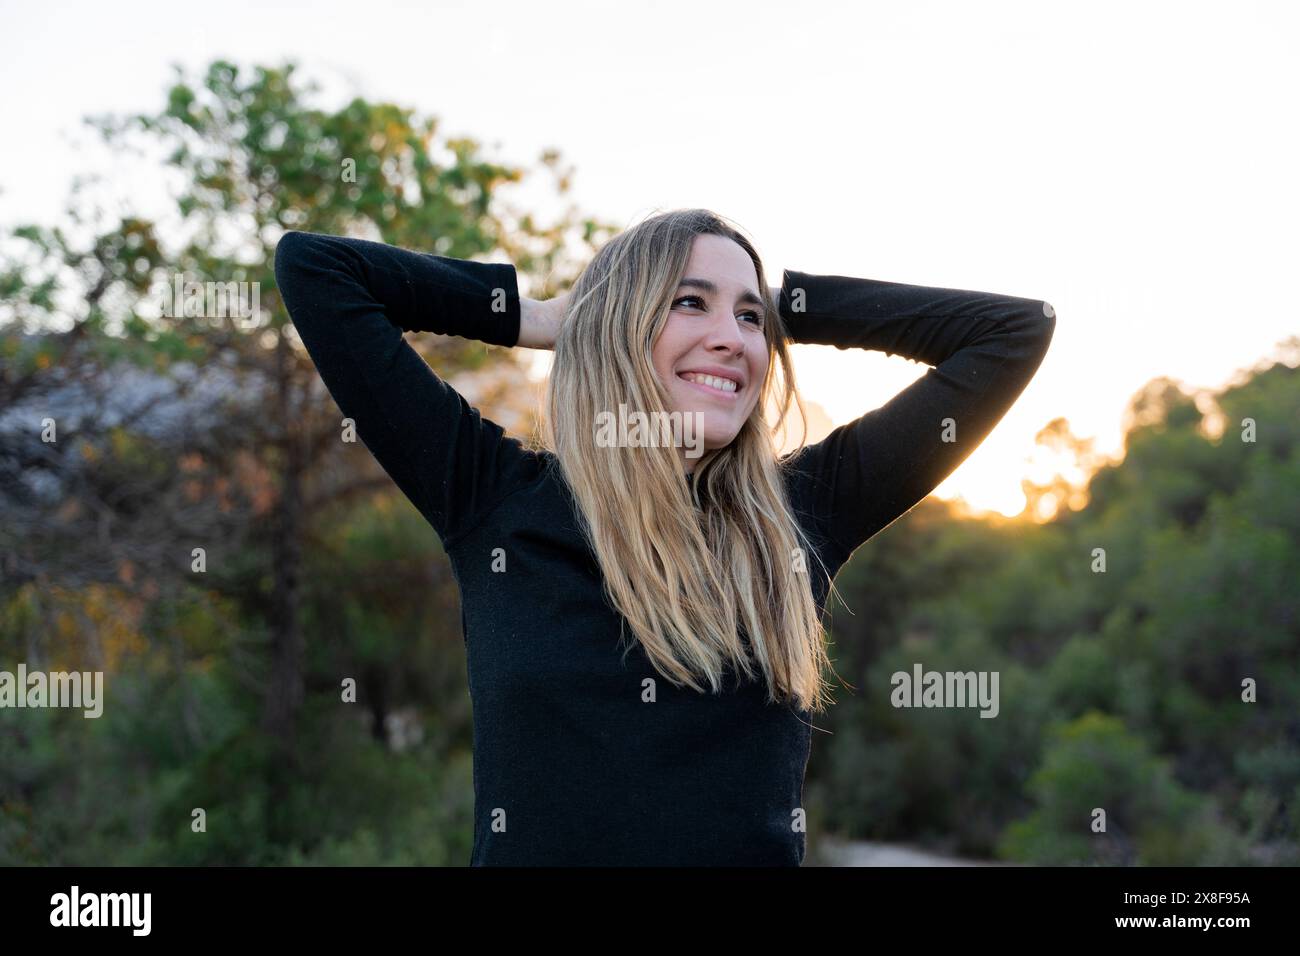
178, 512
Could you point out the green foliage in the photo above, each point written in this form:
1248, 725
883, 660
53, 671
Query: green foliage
318, 569
1095, 773
1121, 690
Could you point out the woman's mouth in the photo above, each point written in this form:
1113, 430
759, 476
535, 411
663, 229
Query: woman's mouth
710, 384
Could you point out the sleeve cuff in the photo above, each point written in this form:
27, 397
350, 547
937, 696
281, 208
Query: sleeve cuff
501, 289
793, 321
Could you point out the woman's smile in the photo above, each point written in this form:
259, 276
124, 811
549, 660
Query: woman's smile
712, 385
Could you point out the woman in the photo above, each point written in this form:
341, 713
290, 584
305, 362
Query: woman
642, 618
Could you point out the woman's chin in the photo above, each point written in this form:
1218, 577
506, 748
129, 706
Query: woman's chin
718, 438
705, 429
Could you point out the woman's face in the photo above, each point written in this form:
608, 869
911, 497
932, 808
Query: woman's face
715, 329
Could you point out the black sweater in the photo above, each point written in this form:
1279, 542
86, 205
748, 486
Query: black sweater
571, 765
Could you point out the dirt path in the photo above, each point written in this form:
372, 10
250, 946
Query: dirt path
863, 853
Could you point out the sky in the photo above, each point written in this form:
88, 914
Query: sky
1133, 164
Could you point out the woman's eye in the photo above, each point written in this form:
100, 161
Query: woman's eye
752, 317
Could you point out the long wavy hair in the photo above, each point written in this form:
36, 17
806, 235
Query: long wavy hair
710, 573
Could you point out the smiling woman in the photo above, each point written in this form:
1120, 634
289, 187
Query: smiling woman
712, 352
645, 652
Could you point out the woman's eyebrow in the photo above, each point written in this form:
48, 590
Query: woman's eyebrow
709, 286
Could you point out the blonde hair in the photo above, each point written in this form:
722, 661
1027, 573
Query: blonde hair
693, 566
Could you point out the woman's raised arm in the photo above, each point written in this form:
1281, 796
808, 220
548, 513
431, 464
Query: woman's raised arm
984, 349
540, 321
351, 300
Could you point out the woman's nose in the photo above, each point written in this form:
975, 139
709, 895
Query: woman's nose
724, 334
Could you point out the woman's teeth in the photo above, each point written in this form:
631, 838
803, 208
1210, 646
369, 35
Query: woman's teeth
712, 381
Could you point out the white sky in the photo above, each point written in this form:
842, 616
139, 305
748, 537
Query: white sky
1131, 163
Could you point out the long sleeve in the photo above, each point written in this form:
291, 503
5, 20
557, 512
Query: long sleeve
983, 348
351, 300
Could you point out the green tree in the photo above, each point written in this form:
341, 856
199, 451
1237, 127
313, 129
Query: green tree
1095, 764
263, 482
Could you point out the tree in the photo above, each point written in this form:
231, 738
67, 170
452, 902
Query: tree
248, 481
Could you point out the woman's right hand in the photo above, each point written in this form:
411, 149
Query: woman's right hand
539, 321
